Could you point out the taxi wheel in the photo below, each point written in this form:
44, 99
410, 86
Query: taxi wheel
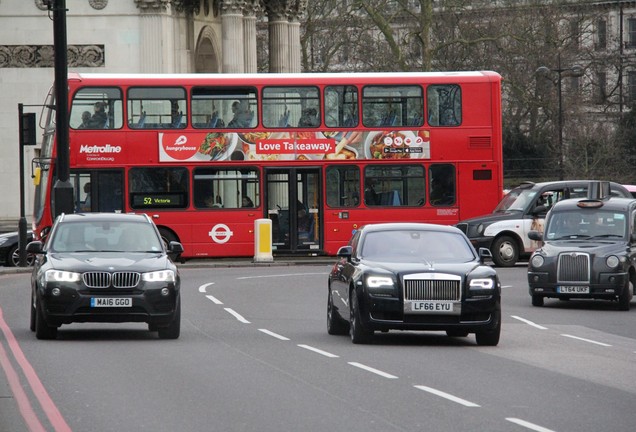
537, 300
505, 251
626, 296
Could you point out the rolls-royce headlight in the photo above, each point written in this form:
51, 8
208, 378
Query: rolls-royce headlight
537, 261
158, 276
612, 261
61, 276
482, 284
379, 282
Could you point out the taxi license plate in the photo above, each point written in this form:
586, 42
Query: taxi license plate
431, 307
111, 302
573, 289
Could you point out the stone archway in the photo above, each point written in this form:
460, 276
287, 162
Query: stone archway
207, 54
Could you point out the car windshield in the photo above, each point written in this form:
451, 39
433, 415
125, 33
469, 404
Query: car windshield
105, 237
416, 246
516, 200
585, 224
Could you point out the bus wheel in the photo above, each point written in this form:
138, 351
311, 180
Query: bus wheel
167, 236
505, 251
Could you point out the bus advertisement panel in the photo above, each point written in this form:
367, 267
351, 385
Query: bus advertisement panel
319, 154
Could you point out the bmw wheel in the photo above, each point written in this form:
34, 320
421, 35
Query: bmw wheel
42, 328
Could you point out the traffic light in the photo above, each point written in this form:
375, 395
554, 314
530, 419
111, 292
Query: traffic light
27, 125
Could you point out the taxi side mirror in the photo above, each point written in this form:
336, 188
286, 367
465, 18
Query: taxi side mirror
535, 235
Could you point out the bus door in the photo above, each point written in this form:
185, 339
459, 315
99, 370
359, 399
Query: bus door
98, 190
294, 204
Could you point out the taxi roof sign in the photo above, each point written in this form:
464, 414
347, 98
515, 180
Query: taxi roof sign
590, 203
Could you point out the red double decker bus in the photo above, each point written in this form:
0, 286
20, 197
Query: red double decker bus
318, 154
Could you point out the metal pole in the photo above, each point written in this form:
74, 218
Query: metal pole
560, 125
63, 189
22, 229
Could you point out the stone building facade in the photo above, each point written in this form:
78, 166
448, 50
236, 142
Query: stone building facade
127, 36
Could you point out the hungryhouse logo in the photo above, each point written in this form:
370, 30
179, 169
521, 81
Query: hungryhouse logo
99, 149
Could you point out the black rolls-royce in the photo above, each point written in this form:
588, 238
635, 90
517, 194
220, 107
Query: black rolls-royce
413, 276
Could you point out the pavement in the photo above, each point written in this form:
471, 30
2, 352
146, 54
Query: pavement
223, 263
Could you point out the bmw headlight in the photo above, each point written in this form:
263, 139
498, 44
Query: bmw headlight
612, 261
158, 276
537, 261
61, 276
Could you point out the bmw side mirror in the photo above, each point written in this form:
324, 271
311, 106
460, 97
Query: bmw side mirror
175, 248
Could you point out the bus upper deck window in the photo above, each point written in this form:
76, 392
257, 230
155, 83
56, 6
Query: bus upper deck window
96, 108
392, 105
341, 106
290, 107
157, 108
224, 107
444, 105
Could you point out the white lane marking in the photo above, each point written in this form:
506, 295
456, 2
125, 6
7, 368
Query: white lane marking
450, 397
237, 315
528, 425
214, 299
586, 340
203, 287
280, 275
529, 322
370, 369
506, 286
319, 351
276, 335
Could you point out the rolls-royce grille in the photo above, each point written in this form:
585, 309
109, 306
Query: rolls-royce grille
416, 289
105, 279
574, 267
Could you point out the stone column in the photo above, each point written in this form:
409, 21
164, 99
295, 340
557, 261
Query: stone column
297, 11
232, 36
156, 48
252, 8
278, 36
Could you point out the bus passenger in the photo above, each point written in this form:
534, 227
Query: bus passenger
242, 116
86, 120
99, 120
309, 118
247, 202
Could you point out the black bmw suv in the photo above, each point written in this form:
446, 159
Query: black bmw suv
588, 251
105, 267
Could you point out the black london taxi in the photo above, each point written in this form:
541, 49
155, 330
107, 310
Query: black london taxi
588, 251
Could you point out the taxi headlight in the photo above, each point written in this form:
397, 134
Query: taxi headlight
537, 261
158, 276
480, 229
612, 261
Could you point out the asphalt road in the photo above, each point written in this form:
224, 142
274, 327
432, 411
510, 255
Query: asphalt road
254, 355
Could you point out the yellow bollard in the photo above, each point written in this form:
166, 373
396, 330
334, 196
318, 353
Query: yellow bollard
263, 240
